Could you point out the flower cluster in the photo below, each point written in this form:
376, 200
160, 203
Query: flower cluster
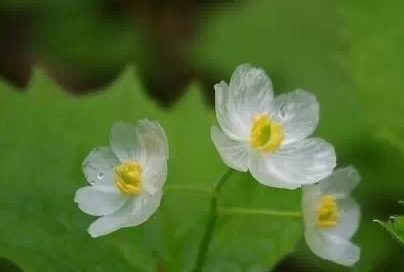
269, 137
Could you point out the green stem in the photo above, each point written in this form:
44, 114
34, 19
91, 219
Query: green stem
210, 227
245, 211
223, 179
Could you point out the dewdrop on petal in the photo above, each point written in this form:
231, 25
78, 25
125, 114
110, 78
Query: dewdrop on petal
331, 217
126, 179
269, 136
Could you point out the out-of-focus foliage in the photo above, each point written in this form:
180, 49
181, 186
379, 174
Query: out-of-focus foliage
376, 63
84, 45
395, 226
46, 135
7, 266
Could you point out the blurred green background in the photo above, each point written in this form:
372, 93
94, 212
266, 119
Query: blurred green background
70, 69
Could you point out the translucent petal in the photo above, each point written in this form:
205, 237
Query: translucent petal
341, 183
303, 162
350, 255
263, 175
310, 199
143, 208
154, 178
250, 93
331, 243
112, 222
251, 89
233, 153
332, 248
298, 113
227, 118
123, 141
99, 200
146, 143
349, 219
152, 144
99, 166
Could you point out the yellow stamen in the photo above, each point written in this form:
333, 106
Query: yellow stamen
327, 212
266, 134
128, 177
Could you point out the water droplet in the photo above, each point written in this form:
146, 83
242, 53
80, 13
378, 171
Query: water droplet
100, 175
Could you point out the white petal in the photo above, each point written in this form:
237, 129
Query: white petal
350, 255
310, 199
99, 165
146, 143
332, 248
135, 212
262, 173
250, 93
112, 222
123, 141
349, 219
154, 178
233, 153
151, 142
332, 243
227, 117
251, 89
144, 208
341, 183
304, 162
298, 113
99, 200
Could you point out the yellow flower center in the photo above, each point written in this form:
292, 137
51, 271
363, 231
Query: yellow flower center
128, 177
266, 134
327, 212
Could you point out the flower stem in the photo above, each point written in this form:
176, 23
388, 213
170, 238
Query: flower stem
246, 211
210, 227
223, 179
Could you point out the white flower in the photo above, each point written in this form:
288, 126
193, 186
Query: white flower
268, 136
331, 217
125, 179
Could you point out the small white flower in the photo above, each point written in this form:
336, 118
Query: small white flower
125, 179
331, 217
268, 136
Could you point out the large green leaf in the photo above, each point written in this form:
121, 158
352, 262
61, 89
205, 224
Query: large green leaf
46, 135
244, 239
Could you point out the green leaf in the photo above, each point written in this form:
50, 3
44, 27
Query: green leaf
253, 238
45, 137
377, 63
395, 226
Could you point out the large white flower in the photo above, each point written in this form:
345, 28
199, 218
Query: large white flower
268, 136
125, 179
331, 217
